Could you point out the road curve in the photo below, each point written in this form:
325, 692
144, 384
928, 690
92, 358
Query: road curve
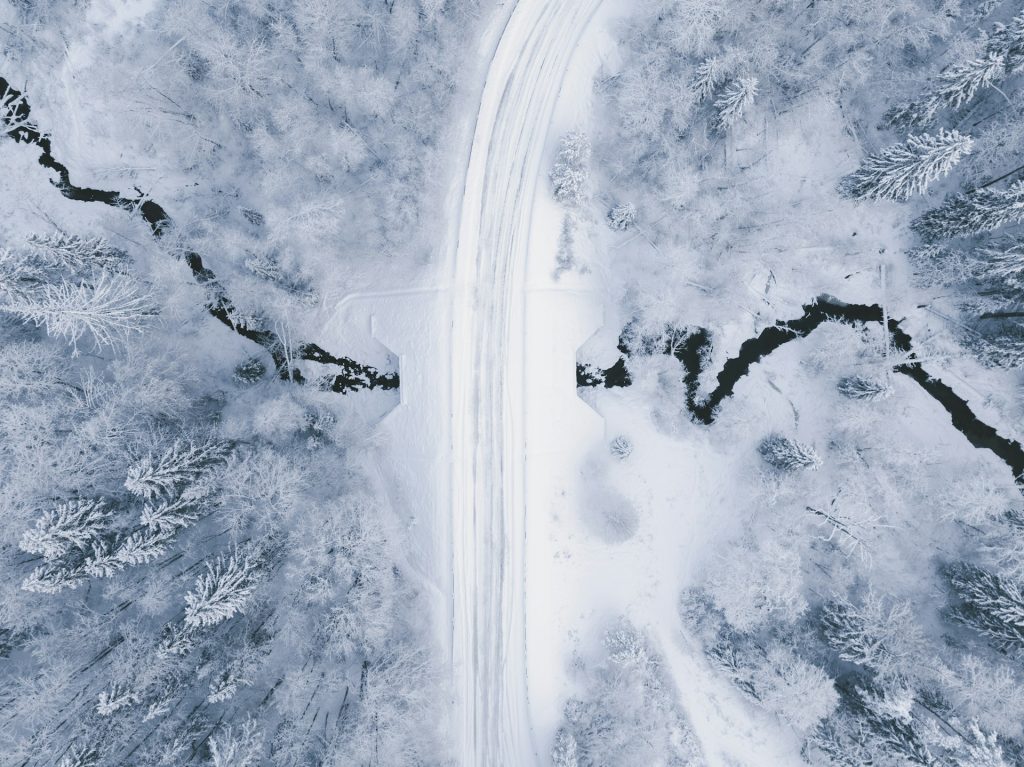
488, 513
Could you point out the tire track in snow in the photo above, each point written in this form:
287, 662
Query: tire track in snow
488, 515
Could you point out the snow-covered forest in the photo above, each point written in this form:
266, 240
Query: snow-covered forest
293, 467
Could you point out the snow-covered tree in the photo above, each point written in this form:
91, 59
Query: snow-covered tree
108, 310
77, 254
571, 174
102, 561
991, 605
237, 746
115, 698
80, 757
167, 474
878, 633
565, 752
220, 592
142, 546
733, 101
53, 580
169, 516
1001, 262
864, 388
622, 216
903, 170
710, 74
954, 87
70, 524
787, 454
887, 712
798, 692
981, 210
1007, 40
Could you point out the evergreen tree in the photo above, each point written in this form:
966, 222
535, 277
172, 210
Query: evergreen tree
887, 713
981, 210
164, 476
53, 580
221, 592
1007, 40
787, 454
902, 170
734, 100
565, 752
710, 74
80, 757
78, 254
990, 605
169, 516
71, 524
142, 546
1002, 263
570, 175
109, 309
955, 87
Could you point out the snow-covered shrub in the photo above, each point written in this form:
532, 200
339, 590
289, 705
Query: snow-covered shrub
570, 175
903, 170
622, 216
621, 447
787, 454
251, 371
864, 388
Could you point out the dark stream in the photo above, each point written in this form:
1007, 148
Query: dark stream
353, 376
692, 352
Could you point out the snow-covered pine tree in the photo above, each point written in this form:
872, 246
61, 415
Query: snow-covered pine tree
864, 388
1007, 40
886, 711
565, 752
103, 561
732, 103
70, 524
570, 175
710, 73
787, 454
981, 210
80, 757
1001, 262
902, 170
954, 87
142, 546
169, 516
109, 309
165, 475
220, 592
113, 700
71, 252
990, 605
622, 216
53, 580
877, 633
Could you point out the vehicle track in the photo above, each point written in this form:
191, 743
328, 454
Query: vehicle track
488, 512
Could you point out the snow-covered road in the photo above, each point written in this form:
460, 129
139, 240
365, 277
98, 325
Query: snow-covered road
487, 374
